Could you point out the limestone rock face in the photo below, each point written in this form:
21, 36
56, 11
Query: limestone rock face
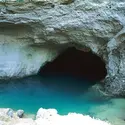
116, 64
34, 32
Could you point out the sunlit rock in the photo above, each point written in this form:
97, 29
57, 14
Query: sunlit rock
45, 113
72, 119
50, 117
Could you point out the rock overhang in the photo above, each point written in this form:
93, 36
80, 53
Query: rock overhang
42, 30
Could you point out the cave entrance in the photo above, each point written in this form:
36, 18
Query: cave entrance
77, 63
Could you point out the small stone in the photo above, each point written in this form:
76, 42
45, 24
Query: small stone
20, 113
10, 113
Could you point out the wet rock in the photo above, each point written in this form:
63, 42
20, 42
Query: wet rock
20, 113
10, 113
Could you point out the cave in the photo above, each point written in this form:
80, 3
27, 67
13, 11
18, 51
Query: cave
77, 63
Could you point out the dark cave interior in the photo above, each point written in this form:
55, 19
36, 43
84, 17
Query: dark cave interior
78, 64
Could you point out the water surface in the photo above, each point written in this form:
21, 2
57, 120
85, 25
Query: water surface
64, 93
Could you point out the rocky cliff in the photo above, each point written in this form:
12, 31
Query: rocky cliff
34, 32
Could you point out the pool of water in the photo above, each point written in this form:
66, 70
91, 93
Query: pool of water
64, 93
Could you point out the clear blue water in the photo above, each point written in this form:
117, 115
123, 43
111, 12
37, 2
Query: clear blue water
64, 93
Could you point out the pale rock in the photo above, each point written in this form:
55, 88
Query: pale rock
71, 119
50, 117
20, 113
34, 33
10, 113
46, 113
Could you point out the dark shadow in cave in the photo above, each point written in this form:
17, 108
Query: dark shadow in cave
77, 63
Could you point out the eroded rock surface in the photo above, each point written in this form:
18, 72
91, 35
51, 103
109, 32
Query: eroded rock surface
34, 32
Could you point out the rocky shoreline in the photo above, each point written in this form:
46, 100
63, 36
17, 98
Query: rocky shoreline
46, 117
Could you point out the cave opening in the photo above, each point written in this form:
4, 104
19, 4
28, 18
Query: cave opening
77, 63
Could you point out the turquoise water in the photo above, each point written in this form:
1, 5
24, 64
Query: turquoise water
64, 93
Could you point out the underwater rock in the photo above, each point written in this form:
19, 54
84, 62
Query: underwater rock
115, 110
20, 113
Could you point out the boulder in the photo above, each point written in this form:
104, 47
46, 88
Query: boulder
46, 113
20, 113
10, 113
